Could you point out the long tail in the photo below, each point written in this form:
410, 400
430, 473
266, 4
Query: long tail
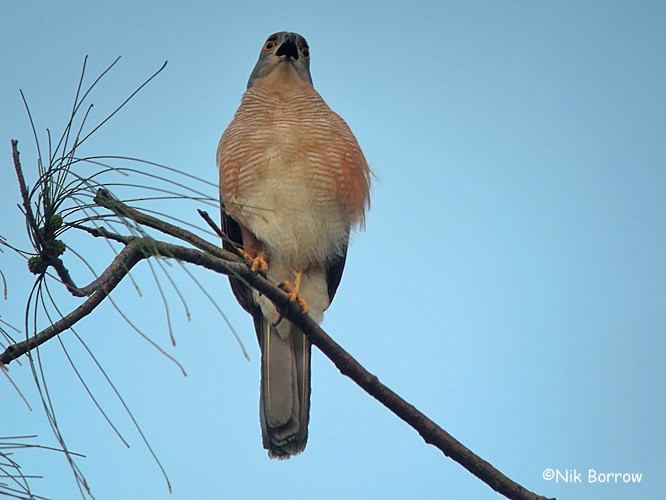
285, 389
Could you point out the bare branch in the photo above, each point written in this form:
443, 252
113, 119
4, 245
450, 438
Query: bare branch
29, 215
100, 232
125, 260
432, 434
214, 258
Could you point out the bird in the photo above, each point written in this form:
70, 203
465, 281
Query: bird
293, 184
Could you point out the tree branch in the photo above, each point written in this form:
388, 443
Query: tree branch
215, 259
430, 432
124, 261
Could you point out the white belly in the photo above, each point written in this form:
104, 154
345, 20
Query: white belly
296, 214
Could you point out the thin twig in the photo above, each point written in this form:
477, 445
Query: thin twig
104, 199
211, 223
29, 215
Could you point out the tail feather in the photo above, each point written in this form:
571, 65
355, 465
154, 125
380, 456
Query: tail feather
285, 390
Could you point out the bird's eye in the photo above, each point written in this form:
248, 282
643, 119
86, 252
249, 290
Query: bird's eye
269, 45
306, 52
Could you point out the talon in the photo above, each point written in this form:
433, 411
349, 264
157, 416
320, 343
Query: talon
304, 305
295, 297
258, 262
294, 291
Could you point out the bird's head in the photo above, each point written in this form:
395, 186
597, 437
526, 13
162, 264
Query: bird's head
285, 56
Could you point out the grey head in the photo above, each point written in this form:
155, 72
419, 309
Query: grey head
283, 48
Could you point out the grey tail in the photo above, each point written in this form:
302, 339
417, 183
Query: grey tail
285, 389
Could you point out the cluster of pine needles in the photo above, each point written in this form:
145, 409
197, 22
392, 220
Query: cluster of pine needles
61, 200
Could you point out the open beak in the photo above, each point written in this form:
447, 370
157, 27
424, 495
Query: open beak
288, 49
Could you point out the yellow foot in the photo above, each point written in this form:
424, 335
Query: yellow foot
258, 262
294, 291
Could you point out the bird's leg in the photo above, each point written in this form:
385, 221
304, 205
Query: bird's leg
294, 291
258, 263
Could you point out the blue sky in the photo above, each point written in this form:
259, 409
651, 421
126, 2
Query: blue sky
511, 282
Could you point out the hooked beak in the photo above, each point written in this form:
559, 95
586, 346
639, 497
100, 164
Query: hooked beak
288, 49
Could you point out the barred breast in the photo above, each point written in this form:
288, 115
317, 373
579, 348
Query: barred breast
293, 173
